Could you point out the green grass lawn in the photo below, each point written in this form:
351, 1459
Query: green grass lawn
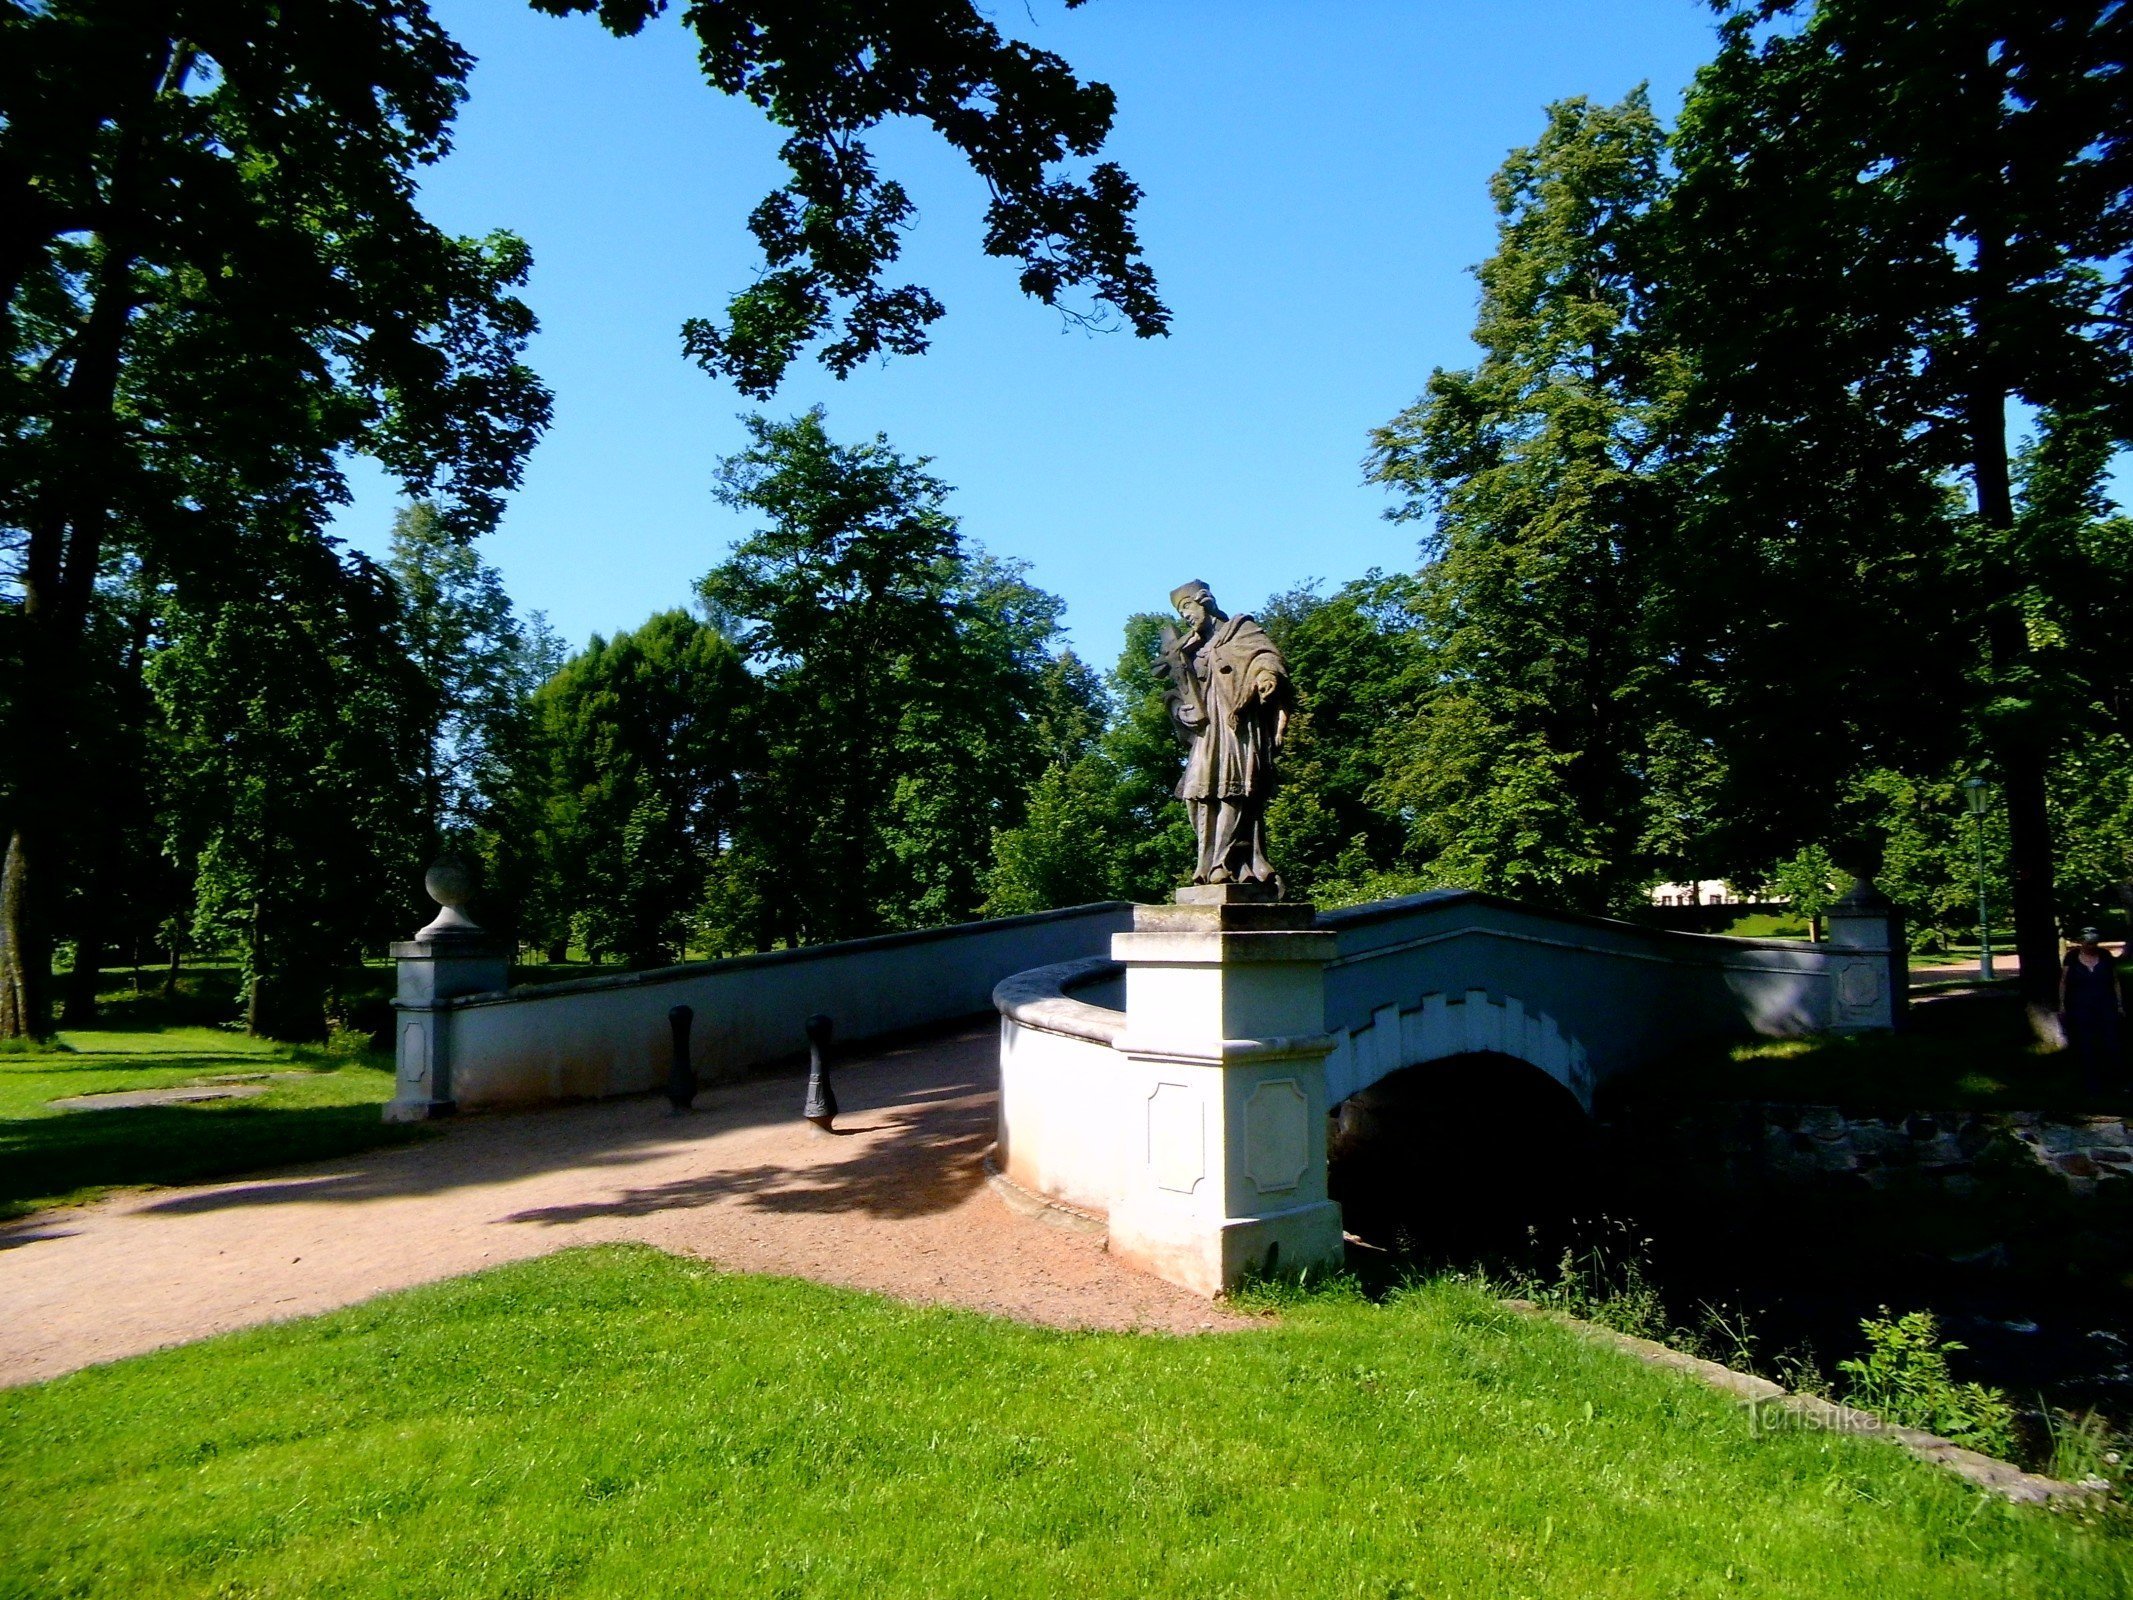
1768, 925
615, 1422
48, 1156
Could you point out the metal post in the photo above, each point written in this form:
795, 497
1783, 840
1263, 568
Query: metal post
821, 1107
681, 1076
1984, 914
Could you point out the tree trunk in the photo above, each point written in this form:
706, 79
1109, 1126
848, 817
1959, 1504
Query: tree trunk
255, 999
2020, 744
65, 547
25, 964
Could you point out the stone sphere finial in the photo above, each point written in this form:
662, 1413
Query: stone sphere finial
451, 885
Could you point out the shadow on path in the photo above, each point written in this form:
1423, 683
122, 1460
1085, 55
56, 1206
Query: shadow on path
928, 1161
923, 1110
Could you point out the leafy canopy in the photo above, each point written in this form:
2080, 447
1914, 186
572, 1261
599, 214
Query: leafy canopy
831, 73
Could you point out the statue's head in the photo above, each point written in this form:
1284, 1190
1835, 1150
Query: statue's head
1195, 602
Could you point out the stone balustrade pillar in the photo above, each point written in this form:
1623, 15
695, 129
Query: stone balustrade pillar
1225, 1169
1870, 961
450, 957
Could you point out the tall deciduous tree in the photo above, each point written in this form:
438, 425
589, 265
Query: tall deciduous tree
1541, 479
640, 744
215, 282
904, 684
1361, 667
459, 632
1893, 220
298, 725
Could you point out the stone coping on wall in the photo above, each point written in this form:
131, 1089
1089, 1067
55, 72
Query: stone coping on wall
1363, 916
1041, 998
775, 958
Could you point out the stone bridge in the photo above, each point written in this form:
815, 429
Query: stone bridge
1181, 1084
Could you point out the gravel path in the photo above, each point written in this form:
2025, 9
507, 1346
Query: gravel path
895, 1201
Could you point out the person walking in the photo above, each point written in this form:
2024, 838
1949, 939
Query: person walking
2093, 1005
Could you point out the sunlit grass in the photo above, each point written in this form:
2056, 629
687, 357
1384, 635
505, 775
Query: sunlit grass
316, 1104
620, 1423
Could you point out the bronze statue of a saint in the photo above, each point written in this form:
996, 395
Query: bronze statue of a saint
1230, 694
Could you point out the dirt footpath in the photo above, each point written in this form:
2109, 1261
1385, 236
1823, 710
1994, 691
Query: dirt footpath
895, 1201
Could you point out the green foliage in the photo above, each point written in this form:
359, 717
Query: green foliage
477, 665
294, 722
217, 286
1603, 1280
1015, 113
1523, 768
1808, 882
639, 745
906, 691
1904, 1377
2086, 1448
1063, 852
642, 1424
1935, 200
1360, 665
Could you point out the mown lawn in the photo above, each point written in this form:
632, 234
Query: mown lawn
616, 1422
328, 1106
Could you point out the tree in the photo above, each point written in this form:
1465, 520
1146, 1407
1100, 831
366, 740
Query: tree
1893, 218
1016, 114
642, 741
457, 628
297, 726
216, 285
1543, 476
1360, 663
903, 677
1808, 883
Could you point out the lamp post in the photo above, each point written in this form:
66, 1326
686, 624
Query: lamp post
1977, 798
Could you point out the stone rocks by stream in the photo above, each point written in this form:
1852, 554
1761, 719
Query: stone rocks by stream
1752, 1141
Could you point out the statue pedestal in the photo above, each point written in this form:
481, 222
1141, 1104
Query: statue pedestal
1225, 1032
434, 969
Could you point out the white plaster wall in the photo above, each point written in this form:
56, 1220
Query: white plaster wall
608, 1035
1063, 1088
1063, 1112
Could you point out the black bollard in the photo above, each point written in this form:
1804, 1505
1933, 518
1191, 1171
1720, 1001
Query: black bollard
681, 1077
821, 1107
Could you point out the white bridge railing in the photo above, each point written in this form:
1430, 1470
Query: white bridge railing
1434, 976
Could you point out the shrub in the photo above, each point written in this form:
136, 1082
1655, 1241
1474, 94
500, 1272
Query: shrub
1904, 1378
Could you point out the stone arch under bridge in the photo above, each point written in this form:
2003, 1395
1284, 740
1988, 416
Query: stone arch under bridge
1441, 1026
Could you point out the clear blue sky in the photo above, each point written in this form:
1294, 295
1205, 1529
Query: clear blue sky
1316, 178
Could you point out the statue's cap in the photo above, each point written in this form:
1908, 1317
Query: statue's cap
1189, 591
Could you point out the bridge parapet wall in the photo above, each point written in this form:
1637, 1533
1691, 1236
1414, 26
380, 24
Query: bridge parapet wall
1583, 998
608, 1035
1409, 981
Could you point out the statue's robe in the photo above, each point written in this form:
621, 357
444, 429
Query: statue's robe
1233, 758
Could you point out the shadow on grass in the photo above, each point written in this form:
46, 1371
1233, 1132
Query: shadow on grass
48, 1158
1967, 1051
